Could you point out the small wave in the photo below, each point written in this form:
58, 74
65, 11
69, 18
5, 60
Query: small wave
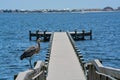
111, 59
3, 78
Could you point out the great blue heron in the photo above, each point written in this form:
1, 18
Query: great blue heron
31, 51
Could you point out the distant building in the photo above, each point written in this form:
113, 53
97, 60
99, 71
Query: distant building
108, 9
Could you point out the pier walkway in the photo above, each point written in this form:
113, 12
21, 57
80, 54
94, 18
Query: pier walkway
63, 63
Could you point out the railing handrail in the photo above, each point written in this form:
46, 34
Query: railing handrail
29, 74
36, 76
108, 76
113, 72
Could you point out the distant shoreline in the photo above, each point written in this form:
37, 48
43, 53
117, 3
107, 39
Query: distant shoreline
82, 12
106, 9
55, 11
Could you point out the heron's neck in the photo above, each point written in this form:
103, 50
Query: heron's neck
38, 44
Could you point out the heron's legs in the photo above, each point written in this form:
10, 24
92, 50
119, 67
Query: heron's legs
30, 63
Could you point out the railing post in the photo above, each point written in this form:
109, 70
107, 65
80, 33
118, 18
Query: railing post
100, 77
83, 34
91, 73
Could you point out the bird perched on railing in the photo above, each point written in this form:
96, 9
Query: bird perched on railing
31, 51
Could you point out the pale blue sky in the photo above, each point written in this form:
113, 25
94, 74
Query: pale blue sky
57, 4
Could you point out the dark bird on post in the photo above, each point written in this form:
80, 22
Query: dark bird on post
31, 51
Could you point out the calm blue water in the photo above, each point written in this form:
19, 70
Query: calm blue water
14, 37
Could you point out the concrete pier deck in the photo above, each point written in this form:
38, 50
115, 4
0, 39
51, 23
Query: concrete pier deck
63, 63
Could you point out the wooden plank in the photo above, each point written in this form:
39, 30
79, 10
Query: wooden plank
106, 70
29, 74
64, 64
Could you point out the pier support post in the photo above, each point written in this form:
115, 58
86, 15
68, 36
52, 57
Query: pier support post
29, 35
90, 34
37, 35
83, 35
60, 30
90, 72
45, 35
75, 34
15, 76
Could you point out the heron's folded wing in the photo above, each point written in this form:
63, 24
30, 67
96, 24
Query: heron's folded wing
29, 52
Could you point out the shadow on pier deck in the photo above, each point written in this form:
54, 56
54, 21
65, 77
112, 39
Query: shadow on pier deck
64, 61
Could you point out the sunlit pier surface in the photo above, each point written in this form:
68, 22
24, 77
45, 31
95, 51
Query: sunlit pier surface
64, 61
64, 64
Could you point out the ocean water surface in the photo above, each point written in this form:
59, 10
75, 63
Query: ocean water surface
14, 37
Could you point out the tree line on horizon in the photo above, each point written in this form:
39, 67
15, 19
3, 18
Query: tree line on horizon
60, 10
